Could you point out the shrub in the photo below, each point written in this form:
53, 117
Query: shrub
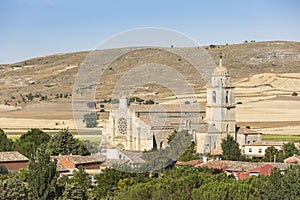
91, 104
187, 102
294, 94
30, 97
3, 170
150, 101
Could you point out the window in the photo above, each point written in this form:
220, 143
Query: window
226, 98
214, 97
215, 145
250, 150
259, 150
227, 129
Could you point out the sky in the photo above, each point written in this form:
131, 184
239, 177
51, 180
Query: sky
32, 28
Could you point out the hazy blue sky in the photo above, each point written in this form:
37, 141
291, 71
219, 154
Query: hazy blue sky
31, 28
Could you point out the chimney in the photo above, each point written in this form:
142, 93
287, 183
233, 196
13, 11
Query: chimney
204, 159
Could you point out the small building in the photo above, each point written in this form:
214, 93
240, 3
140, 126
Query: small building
243, 170
66, 164
120, 157
264, 170
294, 159
13, 160
258, 149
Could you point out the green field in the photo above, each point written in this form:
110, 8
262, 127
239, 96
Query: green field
284, 138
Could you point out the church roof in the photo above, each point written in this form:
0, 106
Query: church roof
168, 108
247, 131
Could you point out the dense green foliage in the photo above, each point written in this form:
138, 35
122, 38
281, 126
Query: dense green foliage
42, 176
3, 170
289, 149
176, 183
64, 143
41, 181
29, 142
189, 154
11, 187
230, 148
6, 144
91, 146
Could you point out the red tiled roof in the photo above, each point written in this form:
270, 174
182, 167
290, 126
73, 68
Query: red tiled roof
266, 169
293, 159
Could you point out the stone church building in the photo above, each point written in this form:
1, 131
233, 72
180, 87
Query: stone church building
144, 127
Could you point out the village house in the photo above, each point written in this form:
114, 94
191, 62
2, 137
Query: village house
258, 149
243, 170
66, 164
13, 160
294, 159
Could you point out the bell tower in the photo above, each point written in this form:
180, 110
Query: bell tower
220, 109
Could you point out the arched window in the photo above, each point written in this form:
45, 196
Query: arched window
161, 145
188, 125
214, 98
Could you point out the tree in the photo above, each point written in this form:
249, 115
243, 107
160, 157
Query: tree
82, 178
5, 143
31, 141
3, 170
289, 149
42, 176
230, 148
189, 154
171, 137
271, 154
91, 119
13, 188
74, 191
64, 143
150, 101
91, 104
91, 146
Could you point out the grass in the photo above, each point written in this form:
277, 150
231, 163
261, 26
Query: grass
284, 138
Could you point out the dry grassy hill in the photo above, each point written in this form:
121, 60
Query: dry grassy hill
53, 76
265, 74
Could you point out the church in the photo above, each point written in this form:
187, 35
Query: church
145, 127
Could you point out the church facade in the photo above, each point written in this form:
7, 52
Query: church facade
144, 127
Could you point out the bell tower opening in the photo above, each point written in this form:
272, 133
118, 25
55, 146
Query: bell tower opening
214, 98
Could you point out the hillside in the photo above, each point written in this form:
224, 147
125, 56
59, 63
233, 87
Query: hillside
265, 75
53, 76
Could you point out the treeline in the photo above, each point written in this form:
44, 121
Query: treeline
62, 142
41, 181
188, 183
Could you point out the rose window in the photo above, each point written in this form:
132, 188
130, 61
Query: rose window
122, 126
